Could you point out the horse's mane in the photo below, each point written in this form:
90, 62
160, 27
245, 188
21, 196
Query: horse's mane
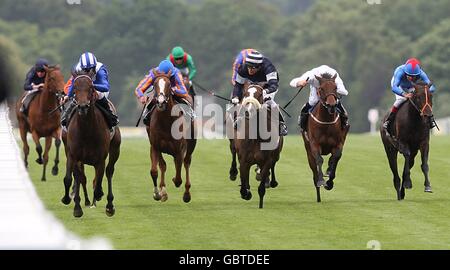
326, 76
79, 73
421, 83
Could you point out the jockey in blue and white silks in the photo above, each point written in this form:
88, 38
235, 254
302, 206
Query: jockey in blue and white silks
88, 63
309, 77
402, 84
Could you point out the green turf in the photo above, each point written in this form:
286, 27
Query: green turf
362, 206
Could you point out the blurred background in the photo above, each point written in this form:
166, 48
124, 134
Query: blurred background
363, 40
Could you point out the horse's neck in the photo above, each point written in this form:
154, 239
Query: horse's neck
89, 122
166, 114
414, 117
47, 100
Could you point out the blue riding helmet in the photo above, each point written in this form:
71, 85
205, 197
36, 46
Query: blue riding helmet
165, 66
88, 60
412, 67
41, 64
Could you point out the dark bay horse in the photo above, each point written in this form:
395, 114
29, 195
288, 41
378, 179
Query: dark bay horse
324, 134
163, 140
40, 122
411, 133
89, 142
250, 144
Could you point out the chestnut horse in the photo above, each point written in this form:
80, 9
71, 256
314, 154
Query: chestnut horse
324, 134
40, 122
163, 141
89, 142
411, 133
253, 148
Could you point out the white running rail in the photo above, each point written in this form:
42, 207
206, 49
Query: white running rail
24, 222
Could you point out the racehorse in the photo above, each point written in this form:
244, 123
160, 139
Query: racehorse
43, 120
411, 133
162, 140
89, 141
324, 134
249, 146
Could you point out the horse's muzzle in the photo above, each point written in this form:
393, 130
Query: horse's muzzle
83, 108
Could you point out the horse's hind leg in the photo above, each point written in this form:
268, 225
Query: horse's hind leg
263, 183
178, 164
187, 185
48, 144
26, 147
233, 168
273, 181
424, 149
244, 172
406, 176
99, 172
114, 152
83, 182
67, 181
313, 166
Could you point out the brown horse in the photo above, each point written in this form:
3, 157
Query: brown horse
89, 142
411, 133
324, 134
40, 122
163, 141
255, 147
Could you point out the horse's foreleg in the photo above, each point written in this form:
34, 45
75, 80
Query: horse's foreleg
48, 144
187, 185
319, 163
406, 176
26, 147
114, 152
244, 172
233, 168
77, 211
99, 172
333, 161
35, 137
57, 137
392, 158
273, 181
154, 158
264, 183
313, 166
67, 181
83, 182
424, 149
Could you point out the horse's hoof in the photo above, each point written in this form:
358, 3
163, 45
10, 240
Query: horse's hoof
258, 177
177, 183
329, 185
233, 174
93, 205
428, 189
273, 184
43, 179
55, 171
39, 161
233, 177
78, 213
407, 184
186, 197
110, 211
66, 200
87, 203
320, 183
72, 195
247, 196
98, 195
156, 196
267, 183
164, 197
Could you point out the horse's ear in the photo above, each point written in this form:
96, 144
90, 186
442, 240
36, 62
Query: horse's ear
169, 74
334, 77
318, 78
57, 66
91, 73
46, 68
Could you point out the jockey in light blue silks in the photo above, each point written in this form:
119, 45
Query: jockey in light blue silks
402, 85
87, 63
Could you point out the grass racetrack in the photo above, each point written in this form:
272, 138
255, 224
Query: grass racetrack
361, 207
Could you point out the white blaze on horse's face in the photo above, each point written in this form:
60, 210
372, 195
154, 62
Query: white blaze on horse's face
162, 89
252, 91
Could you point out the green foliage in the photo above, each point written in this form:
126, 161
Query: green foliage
11, 67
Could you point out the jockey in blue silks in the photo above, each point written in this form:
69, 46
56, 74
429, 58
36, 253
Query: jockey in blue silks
402, 85
88, 63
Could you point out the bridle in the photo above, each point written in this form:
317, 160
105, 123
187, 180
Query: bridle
91, 88
323, 103
427, 102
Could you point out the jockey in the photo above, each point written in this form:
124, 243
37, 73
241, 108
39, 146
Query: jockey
34, 80
185, 63
258, 68
314, 98
402, 85
176, 82
238, 62
88, 62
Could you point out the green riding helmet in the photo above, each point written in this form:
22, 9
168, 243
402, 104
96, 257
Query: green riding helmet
177, 52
